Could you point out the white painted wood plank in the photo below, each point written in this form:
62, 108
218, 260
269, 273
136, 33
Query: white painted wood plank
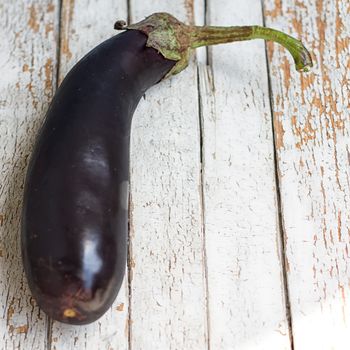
28, 36
199, 14
168, 307
84, 24
245, 283
312, 121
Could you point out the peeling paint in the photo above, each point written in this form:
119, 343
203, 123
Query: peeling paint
120, 307
18, 330
48, 28
189, 6
276, 11
50, 7
49, 67
33, 20
67, 17
279, 131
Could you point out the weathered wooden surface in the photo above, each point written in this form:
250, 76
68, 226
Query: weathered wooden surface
206, 259
245, 281
312, 123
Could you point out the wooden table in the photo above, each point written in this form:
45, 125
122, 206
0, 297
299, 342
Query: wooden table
240, 186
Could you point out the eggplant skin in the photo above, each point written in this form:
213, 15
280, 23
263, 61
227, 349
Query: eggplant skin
75, 209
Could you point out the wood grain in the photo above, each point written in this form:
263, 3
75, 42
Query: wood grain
245, 282
168, 308
312, 123
28, 36
84, 24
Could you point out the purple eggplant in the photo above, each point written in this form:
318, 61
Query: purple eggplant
75, 209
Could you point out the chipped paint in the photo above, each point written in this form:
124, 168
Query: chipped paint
49, 67
50, 7
120, 307
276, 10
189, 7
279, 131
67, 17
33, 22
18, 330
48, 28
10, 311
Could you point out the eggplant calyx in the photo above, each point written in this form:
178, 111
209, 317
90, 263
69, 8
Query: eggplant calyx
168, 36
176, 40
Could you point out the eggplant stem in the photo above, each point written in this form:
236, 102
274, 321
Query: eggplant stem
176, 40
211, 35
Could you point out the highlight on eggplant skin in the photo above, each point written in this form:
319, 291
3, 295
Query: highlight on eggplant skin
75, 206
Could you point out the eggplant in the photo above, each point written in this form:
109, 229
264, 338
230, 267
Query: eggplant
74, 231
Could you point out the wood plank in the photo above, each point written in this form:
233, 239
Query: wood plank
168, 308
28, 36
312, 123
84, 25
245, 282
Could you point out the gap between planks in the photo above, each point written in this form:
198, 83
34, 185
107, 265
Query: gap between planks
49, 323
129, 248
202, 170
280, 223
202, 202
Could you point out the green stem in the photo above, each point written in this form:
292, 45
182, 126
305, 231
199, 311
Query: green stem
210, 35
176, 40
